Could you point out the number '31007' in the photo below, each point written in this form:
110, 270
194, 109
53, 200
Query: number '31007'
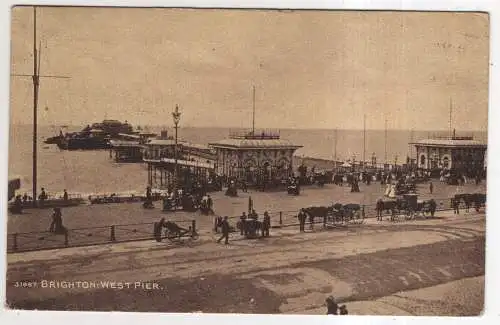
25, 284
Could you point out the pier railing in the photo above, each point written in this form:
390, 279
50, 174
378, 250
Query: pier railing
43, 240
32, 241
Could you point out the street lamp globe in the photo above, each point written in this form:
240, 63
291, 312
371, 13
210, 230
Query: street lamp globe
176, 115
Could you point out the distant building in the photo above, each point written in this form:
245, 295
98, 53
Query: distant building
462, 154
256, 158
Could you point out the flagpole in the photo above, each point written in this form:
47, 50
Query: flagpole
253, 115
36, 83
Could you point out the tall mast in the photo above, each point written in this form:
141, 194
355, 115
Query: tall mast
385, 143
253, 115
364, 139
35, 77
36, 83
335, 146
450, 121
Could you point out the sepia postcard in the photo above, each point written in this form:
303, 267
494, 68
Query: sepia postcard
247, 161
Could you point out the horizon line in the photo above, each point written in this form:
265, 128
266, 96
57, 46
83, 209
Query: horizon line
270, 128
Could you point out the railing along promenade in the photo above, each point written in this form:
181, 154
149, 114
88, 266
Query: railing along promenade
32, 241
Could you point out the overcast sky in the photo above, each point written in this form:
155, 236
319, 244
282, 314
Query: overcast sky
311, 69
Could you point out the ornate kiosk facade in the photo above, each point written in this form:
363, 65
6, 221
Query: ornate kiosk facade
255, 158
463, 154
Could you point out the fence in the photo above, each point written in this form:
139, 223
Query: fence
281, 219
22, 242
32, 241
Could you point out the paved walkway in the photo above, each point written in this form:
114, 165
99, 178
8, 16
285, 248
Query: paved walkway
287, 273
130, 213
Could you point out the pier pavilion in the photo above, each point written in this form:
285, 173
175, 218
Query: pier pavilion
462, 154
258, 158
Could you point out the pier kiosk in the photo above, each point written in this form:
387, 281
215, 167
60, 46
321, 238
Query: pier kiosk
258, 158
460, 154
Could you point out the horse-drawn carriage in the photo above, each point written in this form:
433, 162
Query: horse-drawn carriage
336, 214
293, 187
232, 189
405, 187
407, 206
338, 179
477, 200
186, 202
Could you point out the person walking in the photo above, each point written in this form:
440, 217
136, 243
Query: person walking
243, 220
225, 231
456, 206
266, 224
302, 220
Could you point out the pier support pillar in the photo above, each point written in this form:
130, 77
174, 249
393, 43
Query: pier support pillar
66, 239
281, 218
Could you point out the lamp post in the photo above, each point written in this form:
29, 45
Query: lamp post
176, 116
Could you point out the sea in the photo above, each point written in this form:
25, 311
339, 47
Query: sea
90, 172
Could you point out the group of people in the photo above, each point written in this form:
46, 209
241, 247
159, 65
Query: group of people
249, 225
21, 201
188, 201
333, 308
56, 226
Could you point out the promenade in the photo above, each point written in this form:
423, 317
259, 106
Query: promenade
104, 215
373, 268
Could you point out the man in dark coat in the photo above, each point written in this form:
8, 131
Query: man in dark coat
331, 306
243, 220
302, 220
225, 231
456, 205
210, 203
266, 224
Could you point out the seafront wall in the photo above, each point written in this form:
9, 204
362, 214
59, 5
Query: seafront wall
326, 164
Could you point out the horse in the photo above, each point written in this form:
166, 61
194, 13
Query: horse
479, 200
351, 211
338, 179
320, 212
427, 207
